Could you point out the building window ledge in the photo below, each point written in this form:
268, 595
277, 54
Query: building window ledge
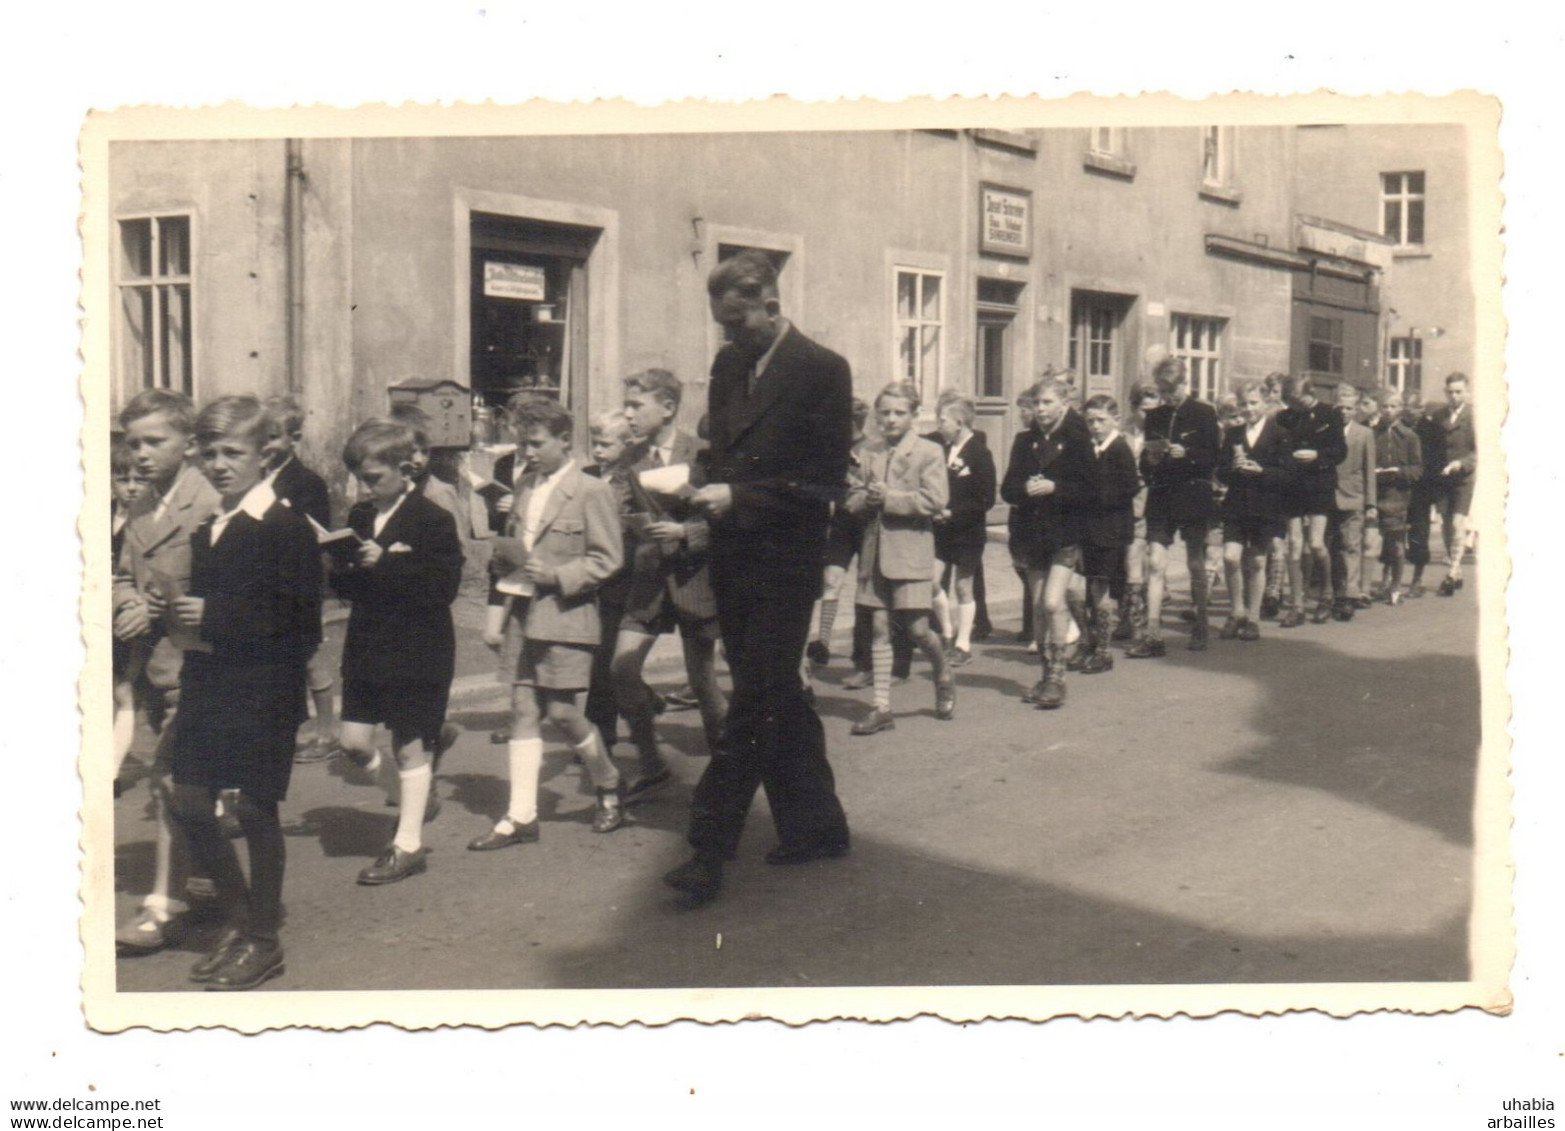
1221, 194
1400, 253
1019, 144
1109, 163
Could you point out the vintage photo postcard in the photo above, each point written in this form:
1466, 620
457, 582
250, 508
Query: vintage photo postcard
999, 559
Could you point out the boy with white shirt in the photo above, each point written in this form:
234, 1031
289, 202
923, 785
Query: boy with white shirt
400, 653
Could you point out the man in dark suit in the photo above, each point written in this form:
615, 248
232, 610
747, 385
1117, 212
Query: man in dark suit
780, 418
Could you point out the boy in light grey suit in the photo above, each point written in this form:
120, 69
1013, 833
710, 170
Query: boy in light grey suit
1355, 504
562, 541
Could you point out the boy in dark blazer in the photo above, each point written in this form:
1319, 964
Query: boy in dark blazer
1256, 467
1399, 464
562, 541
1319, 445
670, 584
1110, 527
1461, 463
1178, 455
296, 486
400, 652
1050, 481
962, 533
251, 617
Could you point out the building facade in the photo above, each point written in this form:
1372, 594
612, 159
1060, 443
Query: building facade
972, 260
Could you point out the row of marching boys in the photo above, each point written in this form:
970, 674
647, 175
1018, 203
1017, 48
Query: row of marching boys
219, 533
1271, 488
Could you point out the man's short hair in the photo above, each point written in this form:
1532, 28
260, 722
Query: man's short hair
1169, 374
1457, 378
1140, 391
1386, 392
243, 417
1295, 386
1102, 403
960, 407
1251, 385
1350, 388
543, 413
175, 408
747, 264
902, 390
284, 414
860, 412
661, 383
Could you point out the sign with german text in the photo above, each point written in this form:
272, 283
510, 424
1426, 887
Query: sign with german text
513, 280
1004, 221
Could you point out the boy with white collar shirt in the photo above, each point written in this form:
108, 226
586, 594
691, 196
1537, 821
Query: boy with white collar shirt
400, 653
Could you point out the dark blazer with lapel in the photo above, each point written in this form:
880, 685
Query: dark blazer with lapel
1111, 516
162, 544
1461, 443
971, 488
261, 589
784, 451
1399, 465
678, 567
300, 488
1181, 488
1065, 457
505, 475
399, 630
1322, 429
1252, 495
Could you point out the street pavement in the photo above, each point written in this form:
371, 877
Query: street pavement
1296, 809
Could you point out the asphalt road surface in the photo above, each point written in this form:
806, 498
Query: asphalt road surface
1290, 810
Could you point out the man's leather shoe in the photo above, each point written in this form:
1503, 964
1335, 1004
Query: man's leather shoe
1447, 588
144, 934
250, 962
207, 968
393, 865
495, 838
647, 784
874, 722
1148, 648
810, 850
1293, 618
699, 879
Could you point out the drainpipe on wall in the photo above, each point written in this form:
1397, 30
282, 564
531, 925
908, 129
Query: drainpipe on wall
293, 255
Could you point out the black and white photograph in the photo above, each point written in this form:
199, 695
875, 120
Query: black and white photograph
1051, 559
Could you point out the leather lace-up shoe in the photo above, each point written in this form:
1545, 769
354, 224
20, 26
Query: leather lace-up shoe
207, 968
394, 864
498, 838
250, 962
610, 812
699, 879
874, 722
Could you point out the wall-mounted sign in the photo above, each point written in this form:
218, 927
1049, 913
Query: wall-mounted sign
513, 280
1004, 221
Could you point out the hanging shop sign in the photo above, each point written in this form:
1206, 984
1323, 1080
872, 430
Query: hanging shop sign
513, 280
1004, 221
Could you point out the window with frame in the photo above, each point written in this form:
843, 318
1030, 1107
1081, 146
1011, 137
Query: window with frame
1199, 343
1216, 155
1106, 141
156, 312
1405, 364
998, 303
1325, 345
919, 330
1402, 208
1094, 348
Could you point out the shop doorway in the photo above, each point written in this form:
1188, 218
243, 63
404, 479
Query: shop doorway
529, 310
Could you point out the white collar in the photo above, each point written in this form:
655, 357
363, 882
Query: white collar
1109, 439
766, 358
257, 501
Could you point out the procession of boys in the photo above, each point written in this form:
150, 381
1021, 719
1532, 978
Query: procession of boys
1311, 514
